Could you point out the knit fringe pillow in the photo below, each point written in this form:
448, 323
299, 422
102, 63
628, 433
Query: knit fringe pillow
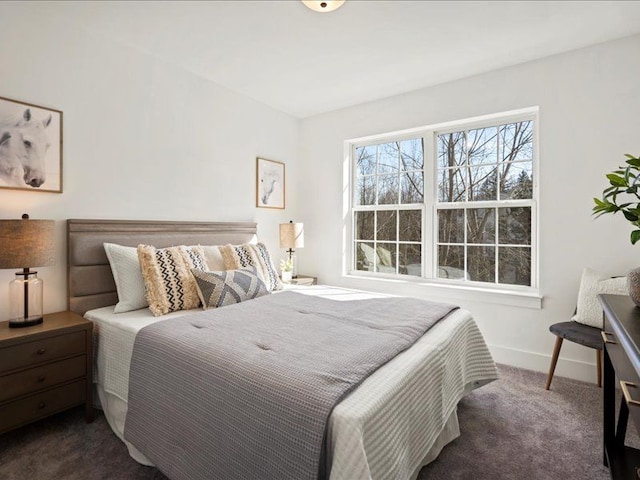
252, 255
167, 277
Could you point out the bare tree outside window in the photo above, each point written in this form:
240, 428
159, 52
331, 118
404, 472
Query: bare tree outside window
483, 198
487, 165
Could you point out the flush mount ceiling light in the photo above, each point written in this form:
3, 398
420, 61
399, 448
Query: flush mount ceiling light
323, 5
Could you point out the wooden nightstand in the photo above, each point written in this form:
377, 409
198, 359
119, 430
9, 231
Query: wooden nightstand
304, 280
45, 369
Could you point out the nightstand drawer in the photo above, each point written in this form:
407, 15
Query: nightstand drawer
23, 411
31, 353
37, 378
624, 369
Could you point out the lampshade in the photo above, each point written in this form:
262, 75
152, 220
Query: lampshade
26, 243
323, 5
291, 235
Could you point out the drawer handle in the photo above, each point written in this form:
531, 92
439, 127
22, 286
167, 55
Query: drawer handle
41, 378
41, 351
625, 391
605, 339
41, 405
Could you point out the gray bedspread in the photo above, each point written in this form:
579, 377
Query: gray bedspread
245, 391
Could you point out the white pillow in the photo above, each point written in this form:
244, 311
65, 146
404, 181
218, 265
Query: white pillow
589, 309
213, 257
127, 274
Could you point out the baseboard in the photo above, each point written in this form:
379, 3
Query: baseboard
566, 367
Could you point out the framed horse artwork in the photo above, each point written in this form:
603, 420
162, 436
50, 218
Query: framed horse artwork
30, 147
270, 189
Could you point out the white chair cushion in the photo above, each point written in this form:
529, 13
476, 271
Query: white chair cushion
589, 310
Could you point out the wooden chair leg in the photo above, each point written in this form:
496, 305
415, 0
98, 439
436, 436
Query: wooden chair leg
554, 360
599, 354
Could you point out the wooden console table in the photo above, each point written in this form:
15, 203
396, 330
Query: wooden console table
621, 337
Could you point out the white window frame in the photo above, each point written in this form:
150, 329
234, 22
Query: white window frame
430, 205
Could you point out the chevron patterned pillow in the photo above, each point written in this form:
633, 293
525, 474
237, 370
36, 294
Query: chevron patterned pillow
217, 289
167, 277
252, 255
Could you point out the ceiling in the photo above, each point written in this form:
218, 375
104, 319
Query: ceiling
305, 63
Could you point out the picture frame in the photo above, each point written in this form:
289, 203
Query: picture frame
270, 183
30, 147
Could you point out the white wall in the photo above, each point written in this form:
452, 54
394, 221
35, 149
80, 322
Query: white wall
589, 106
142, 139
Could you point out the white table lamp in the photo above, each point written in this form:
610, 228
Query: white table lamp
292, 236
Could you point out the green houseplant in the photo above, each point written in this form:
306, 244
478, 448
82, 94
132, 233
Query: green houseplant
622, 196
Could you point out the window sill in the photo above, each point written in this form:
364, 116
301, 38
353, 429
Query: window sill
529, 298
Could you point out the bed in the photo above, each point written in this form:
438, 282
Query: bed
392, 424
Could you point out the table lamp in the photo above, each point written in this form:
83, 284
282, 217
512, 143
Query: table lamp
23, 244
292, 236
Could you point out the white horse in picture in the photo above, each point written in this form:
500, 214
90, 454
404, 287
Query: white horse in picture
23, 148
271, 184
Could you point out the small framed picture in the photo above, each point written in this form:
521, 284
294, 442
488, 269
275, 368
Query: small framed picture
30, 147
270, 187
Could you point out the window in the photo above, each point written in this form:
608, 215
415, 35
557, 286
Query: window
389, 207
453, 205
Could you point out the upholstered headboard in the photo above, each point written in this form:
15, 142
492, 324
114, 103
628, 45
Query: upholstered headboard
90, 281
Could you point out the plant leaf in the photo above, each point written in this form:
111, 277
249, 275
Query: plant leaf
635, 162
635, 236
616, 180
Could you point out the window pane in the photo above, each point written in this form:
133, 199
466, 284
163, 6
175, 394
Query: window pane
366, 160
481, 225
365, 225
410, 225
451, 149
451, 226
387, 189
386, 257
514, 265
451, 185
410, 260
481, 264
412, 187
450, 262
388, 157
517, 141
387, 225
412, 157
482, 145
365, 191
483, 183
514, 225
365, 256
516, 180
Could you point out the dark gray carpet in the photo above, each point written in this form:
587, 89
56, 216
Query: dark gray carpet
511, 429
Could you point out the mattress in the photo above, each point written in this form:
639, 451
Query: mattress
396, 421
